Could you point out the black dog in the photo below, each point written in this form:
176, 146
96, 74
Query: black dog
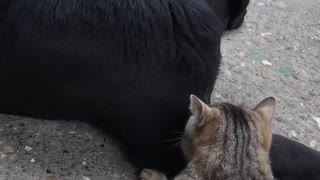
291, 160
127, 66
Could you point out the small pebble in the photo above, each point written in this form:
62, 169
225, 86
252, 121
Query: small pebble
85, 178
313, 92
32, 160
13, 156
317, 120
264, 73
292, 134
292, 106
8, 149
260, 39
228, 73
84, 163
2, 155
87, 136
306, 98
51, 178
266, 63
280, 119
27, 148
260, 4
313, 143
308, 130
242, 54
267, 33
72, 132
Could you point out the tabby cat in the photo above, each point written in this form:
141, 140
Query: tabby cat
225, 142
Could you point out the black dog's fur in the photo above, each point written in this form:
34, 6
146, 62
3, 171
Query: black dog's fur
230, 12
291, 160
126, 66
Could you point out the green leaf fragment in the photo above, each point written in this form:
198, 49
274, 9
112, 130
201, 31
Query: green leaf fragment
255, 57
286, 71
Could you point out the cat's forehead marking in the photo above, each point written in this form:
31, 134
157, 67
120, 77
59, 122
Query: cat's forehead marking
233, 113
227, 108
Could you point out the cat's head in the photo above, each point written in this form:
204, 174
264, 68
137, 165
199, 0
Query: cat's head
209, 125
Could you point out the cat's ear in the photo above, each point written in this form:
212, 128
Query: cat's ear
266, 108
199, 109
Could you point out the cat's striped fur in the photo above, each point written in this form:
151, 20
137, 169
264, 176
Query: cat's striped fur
225, 142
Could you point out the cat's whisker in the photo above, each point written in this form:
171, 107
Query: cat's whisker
175, 145
177, 132
170, 140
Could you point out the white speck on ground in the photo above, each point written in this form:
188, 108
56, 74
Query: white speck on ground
313, 144
2, 155
27, 148
317, 120
260, 4
266, 63
85, 178
292, 134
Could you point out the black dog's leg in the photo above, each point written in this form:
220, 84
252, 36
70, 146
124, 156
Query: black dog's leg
291, 160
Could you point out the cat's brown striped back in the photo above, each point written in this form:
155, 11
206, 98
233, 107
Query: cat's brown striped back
225, 141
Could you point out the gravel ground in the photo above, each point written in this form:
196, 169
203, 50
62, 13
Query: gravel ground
275, 53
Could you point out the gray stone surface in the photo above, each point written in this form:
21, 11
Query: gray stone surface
284, 33
66, 150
